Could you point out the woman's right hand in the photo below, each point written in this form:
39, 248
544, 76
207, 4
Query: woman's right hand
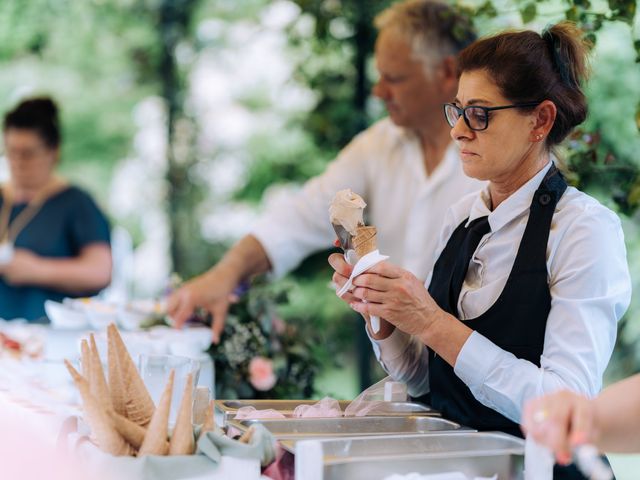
342, 272
561, 421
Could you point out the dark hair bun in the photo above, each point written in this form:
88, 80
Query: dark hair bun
528, 67
39, 114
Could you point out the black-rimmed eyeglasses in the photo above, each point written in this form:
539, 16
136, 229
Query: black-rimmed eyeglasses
475, 116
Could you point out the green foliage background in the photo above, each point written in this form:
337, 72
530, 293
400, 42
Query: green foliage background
99, 58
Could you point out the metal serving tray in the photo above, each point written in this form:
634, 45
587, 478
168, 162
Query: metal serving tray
373, 458
304, 428
229, 408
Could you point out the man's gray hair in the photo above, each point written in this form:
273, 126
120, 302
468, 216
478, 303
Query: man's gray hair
433, 29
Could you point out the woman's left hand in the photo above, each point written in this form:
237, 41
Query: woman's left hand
21, 269
397, 296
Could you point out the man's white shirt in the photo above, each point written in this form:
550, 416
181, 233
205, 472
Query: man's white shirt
383, 164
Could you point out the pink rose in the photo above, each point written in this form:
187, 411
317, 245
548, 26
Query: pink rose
261, 374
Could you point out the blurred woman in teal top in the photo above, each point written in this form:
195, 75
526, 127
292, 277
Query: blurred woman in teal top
54, 240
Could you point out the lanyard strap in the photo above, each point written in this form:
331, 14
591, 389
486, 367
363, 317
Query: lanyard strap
11, 230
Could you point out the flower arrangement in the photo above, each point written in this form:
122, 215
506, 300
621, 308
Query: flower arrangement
262, 356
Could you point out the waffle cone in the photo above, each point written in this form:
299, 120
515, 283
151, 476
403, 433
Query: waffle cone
364, 240
209, 424
97, 382
85, 359
155, 441
138, 402
182, 442
200, 404
102, 426
116, 384
130, 431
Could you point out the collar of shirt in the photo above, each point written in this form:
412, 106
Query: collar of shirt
512, 207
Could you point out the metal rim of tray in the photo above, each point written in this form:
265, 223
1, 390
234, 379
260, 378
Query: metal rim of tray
229, 412
293, 437
289, 444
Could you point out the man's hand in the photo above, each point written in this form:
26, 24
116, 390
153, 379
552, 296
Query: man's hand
212, 291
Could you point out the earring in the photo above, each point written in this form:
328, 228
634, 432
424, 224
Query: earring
538, 137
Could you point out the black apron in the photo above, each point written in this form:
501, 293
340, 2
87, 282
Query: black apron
516, 322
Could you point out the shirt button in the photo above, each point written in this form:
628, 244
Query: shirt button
545, 198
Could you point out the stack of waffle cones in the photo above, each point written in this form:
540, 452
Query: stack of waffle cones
120, 412
364, 241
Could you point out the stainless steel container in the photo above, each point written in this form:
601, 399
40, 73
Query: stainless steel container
372, 458
304, 428
228, 408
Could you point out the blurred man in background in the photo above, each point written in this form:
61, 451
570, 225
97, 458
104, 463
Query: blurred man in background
405, 167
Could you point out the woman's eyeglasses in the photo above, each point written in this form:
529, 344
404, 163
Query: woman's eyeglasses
475, 116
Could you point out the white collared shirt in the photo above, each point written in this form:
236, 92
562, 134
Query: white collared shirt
590, 291
384, 165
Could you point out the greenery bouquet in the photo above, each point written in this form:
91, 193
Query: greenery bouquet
261, 356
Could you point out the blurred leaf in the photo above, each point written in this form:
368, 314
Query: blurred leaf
638, 116
572, 14
591, 39
634, 195
487, 9
624, 10
529, 12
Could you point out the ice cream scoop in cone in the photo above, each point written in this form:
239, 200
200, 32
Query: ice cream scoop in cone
365, 240
102, 426
139, 406
182, 442
155, 440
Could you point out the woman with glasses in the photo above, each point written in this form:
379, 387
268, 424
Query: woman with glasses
54, 241
531, 277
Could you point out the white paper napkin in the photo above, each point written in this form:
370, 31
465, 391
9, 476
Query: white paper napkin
538, 461
365, 263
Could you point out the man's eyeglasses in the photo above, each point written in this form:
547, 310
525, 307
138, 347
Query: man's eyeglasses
475, 116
